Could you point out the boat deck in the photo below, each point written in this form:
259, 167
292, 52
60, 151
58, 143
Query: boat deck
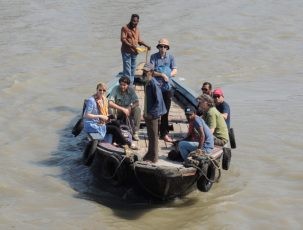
178, 130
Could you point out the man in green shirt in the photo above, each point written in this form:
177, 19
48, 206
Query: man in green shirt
213, 119
125, 100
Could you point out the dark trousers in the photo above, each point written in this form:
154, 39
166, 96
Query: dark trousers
219, 142
152, 133
113, 128
164, 129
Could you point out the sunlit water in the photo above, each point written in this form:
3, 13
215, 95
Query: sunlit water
52, 54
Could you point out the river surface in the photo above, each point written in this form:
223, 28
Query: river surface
52, 54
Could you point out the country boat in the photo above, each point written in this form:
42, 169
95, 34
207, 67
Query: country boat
165, 179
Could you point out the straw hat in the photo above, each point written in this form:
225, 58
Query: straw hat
163, 41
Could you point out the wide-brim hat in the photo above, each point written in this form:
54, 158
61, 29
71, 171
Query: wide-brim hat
163, 41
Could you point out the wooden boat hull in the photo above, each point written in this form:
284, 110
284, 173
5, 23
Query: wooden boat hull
165, 182
160, 181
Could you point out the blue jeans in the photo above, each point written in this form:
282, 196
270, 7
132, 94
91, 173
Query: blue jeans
185, 147
129, 65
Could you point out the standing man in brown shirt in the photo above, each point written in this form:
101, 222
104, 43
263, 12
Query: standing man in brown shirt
130, 38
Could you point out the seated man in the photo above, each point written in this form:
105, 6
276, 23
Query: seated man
199, 137
213, 119
125, 100
222, 105
207, 88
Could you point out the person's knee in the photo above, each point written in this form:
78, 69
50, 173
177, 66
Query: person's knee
137, 113
137, 110
182, 148
220, 142
181, 144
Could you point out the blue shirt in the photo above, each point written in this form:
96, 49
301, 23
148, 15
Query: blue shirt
168, 60
224, 108
208, 144
163, 65
155, 106
93, 125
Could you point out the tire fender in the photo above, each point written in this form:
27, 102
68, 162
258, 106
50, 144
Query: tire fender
112, 170
204, 183
89, 152
232, 138
226, 158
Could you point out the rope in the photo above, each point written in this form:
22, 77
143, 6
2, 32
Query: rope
215, 164
116, 170
146, 55
129, 124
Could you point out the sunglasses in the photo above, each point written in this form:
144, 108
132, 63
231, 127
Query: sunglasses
102, 90
204, 89
216, 96
163, 46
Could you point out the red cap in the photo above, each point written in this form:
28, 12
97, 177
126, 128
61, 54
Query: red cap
218, 91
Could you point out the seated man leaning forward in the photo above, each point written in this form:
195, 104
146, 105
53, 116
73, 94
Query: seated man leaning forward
199, 137
125, 100
213, 119
222, 106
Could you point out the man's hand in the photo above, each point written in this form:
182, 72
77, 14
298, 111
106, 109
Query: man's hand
176, 142
165, 78
199, 152
134, 48
126, 111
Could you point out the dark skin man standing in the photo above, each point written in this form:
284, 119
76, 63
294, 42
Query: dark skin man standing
130, 38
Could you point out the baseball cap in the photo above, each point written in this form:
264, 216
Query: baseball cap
218, 91
189, 110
